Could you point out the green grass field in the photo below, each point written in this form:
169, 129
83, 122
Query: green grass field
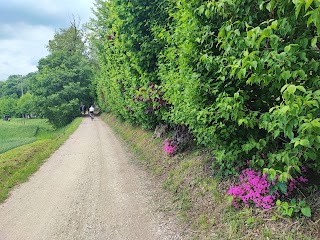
19, 132
17, 164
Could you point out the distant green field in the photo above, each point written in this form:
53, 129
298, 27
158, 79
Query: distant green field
19, 132
18, 164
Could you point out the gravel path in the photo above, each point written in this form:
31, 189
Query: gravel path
88, 189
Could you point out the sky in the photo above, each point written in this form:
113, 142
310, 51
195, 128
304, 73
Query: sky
26, 26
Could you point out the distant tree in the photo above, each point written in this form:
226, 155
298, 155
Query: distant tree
12, 87
15, 97
28, 80
70, 40
63, 81
16, 85
8, 106
1, 85
25, 105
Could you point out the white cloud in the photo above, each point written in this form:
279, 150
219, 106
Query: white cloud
23, 49
26, 26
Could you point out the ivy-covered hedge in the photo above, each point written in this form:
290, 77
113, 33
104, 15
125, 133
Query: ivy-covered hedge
242, 75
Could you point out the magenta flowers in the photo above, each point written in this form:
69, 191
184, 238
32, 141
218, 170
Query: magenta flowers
254, 188
168, 148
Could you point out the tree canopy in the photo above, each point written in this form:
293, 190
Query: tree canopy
61, 84
64, 78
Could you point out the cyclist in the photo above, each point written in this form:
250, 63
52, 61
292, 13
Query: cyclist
91, 112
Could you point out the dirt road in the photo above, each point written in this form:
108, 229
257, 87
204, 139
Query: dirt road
88, 189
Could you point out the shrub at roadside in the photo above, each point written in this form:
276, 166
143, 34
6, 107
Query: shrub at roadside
200, 199
241, 76
253, 188
256, 189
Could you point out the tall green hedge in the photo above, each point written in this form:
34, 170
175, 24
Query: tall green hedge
128, 52
242, 75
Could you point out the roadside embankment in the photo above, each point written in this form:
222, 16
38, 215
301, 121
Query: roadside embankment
199, 196
18, 164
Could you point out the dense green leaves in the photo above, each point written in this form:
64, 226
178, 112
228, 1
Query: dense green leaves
243, 75
15, 97
8, 106
13, 86
63, 81
127, 47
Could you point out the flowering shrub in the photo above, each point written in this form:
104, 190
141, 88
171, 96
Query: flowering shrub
253, 188
168, 148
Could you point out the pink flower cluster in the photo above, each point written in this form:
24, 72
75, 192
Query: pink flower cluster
253, 188
168, 148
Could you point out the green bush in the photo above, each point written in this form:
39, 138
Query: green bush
242, 75
128, 54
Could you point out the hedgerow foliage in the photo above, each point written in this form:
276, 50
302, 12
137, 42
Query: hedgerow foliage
242, 75
128, 82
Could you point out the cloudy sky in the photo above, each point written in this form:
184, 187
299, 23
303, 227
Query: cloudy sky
26, 26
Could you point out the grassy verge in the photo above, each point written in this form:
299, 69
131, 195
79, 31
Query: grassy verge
200, 199
18, 164
20, 131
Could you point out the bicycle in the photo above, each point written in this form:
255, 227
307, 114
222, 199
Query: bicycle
91, 114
